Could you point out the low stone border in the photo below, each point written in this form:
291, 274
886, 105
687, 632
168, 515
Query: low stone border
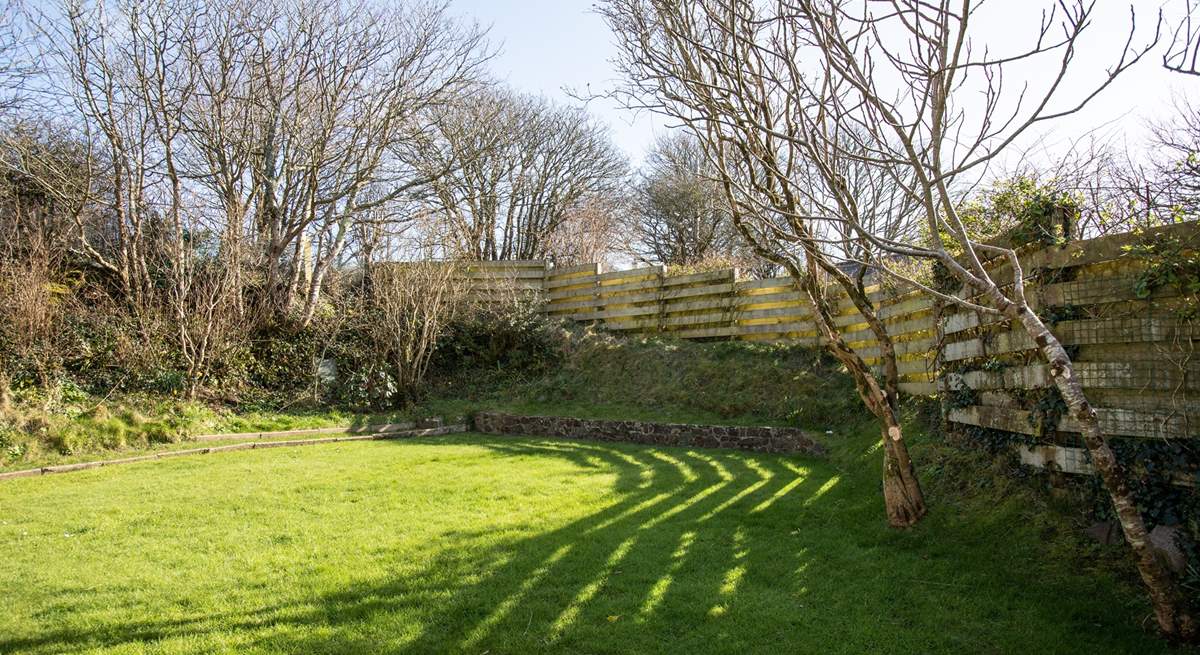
753, 438
246, 445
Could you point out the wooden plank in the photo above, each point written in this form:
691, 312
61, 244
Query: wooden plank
922, 367
918, 388
1077, 333
913, 305
960, 322
1142, 401
766, 283
1115, 422
1058, 458
648, 283
562, 272
790, 297
572, 292
1093, 291
614, 277
503, 274
510, 263
618, 326
504, 285
616, 313
577, 305
568, 284
681, 305
738, 331
911, 302
1135, 375
706, 333
630, 298
697, 319
906, 326
875, 294
711, 290
798, 312
896, 330
803, 327
724, 275
903, 348
1105, 248
889, 319
643, 291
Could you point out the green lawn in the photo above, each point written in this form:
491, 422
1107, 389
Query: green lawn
508, 545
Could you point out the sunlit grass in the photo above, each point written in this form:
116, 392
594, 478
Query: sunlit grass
509, 545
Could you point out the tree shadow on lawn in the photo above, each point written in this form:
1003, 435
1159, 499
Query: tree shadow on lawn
703, 551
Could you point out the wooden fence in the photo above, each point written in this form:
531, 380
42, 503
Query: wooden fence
1133, 345
502, 280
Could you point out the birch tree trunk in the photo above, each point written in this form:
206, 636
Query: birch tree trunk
1170, 608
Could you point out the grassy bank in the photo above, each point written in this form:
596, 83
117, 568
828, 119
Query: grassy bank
84, 428
595, 375
726, 382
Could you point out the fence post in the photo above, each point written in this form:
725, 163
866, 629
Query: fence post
730, 298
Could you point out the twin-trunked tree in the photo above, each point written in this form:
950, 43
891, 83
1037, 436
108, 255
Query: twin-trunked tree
847, 132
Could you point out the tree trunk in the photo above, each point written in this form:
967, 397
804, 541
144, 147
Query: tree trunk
1170, 608
902, 497
5, 395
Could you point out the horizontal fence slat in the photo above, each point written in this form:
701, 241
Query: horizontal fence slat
1114, 422
558, 272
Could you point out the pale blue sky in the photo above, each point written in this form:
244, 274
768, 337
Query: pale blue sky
550, 44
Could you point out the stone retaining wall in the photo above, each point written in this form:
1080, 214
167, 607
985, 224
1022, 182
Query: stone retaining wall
758, 439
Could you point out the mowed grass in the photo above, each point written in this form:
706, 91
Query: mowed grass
482, 544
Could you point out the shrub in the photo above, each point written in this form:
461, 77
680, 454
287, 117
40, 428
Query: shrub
511, 337
281, 358
1020, 211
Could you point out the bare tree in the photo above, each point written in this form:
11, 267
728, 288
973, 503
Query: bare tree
48, 179
208, 323
710, 66
412, 303
928, 131
680, 216
519, 167
397, 69
1173, 190
1183, 50
1119, 191
274, 125
591, 231
17, 65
